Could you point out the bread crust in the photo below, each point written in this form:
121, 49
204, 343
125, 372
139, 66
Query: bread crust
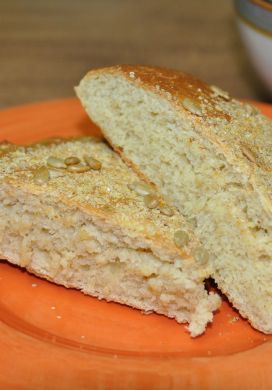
107, 206
224, 121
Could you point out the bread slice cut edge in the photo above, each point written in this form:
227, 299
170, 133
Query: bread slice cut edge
80, 245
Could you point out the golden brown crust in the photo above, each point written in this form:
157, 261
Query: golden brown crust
103, 193
172, 84
237, 130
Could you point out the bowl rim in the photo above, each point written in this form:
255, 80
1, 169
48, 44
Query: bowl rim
255, 15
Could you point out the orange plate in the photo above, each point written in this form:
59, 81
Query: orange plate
55, 338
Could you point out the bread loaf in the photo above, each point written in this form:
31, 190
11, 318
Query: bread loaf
72, 212
211, 155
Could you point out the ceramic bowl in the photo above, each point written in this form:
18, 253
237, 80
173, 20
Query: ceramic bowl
255, 24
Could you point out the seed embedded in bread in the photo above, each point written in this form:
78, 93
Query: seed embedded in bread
247, 152
201, 255
72, 160
151, 201
55, 162
93, 163
79, 168
181, 238
192, 106
219, 92
41, 175
55, 173
141, 188
166, 210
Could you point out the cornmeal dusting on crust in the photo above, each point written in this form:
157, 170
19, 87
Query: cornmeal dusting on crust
91, 189
223, 114
177, 86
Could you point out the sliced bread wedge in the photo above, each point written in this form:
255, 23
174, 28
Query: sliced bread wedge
211, 155
72, 212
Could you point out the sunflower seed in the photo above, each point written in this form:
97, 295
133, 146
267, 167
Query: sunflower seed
181, 238
248, 153
93, 163
79, 168
192, 222
55, 162
141, 188
72, 160
252, 110
41, 175
151, 201
201, 255
166, 210
192, 106
55, 173
219, 92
